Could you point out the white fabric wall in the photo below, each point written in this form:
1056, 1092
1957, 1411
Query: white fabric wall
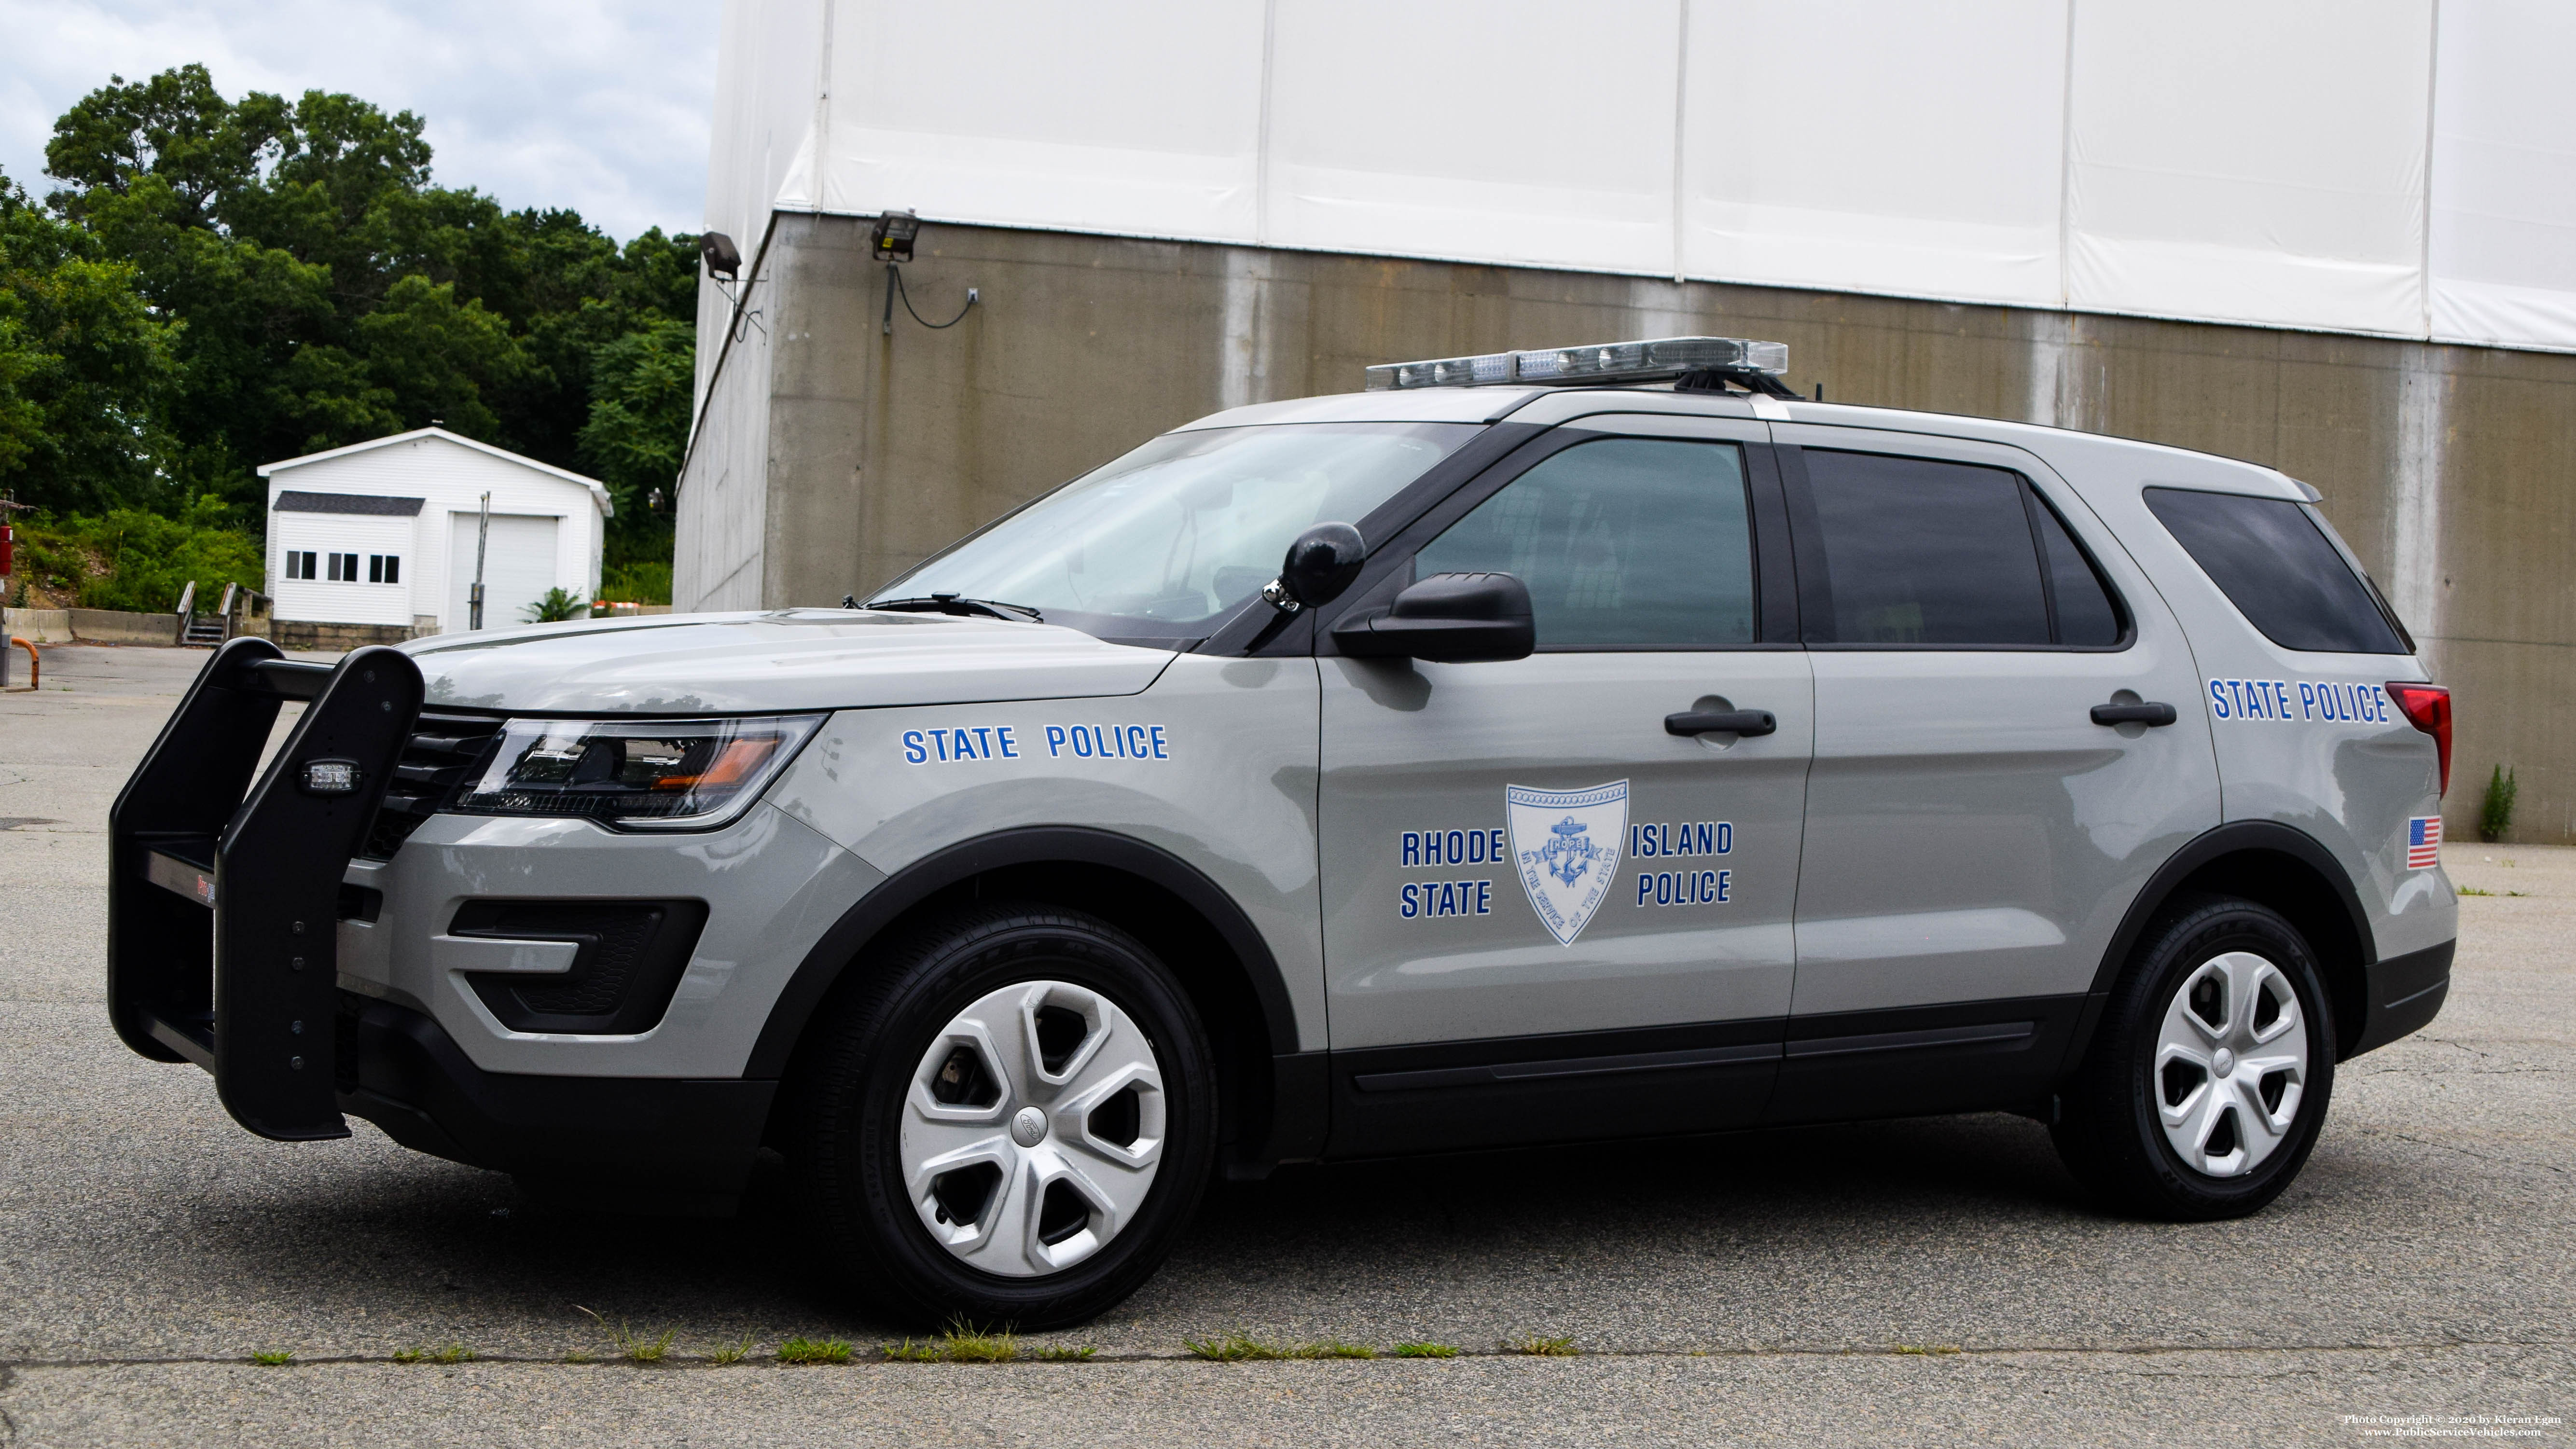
2251, 163
2328, 164
2504, 174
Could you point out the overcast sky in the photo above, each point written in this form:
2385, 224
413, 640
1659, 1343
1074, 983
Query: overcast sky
599, 105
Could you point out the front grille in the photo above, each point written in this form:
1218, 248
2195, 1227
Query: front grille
445, 749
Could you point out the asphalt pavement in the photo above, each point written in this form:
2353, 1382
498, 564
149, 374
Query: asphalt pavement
1934, 1281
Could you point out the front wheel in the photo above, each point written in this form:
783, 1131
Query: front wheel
1008, 1119
2207, 1081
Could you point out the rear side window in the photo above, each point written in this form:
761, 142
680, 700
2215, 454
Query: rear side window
1627, 543
2279, 569
1900, 552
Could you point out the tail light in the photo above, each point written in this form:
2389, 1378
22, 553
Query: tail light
2428, 708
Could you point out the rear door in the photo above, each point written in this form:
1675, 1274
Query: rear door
1545, 915
1973, 836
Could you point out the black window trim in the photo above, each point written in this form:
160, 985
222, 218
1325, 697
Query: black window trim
1775, 596
1815, 592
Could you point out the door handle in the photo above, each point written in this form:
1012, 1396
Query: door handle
1710, 721
2145, 714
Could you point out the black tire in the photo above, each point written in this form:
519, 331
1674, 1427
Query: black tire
848, 1097
2109, 1130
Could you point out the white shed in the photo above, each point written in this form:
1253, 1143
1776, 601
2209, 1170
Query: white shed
382, 533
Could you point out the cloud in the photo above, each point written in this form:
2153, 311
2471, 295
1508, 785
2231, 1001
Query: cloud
598, 105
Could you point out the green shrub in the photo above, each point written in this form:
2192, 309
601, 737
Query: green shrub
637, 583
136, 561
557, 606
2495, 813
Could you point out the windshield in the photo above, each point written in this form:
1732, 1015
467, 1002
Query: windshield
1168, 540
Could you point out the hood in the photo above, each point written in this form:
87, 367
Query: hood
793, 659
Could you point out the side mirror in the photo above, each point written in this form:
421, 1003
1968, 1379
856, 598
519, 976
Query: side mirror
1320, 564
1447, 618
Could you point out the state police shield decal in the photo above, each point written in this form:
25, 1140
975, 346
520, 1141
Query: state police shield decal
1565, 844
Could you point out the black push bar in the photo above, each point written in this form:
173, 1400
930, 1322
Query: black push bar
223, 894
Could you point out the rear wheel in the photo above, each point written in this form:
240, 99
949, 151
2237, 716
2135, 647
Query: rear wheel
2207, 1081
1008, 1119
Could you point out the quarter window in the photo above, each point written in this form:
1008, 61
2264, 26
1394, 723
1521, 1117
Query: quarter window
2272, 559
2085, 615
1625, 543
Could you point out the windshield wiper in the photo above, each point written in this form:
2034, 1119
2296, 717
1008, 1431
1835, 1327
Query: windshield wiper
962, 607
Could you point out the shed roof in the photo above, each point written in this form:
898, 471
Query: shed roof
290, 501
598, 490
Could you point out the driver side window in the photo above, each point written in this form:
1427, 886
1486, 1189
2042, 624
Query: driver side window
1624, 543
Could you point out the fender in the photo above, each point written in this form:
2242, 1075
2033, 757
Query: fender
918, 881
2228, 839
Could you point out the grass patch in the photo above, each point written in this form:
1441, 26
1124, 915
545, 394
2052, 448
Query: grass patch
731, 1353
814, 1350
632, 1346
2474, 891
1926, 1348
580, 1355
453, 1353
1537, 1347
962, 1343
1243, 1348
271, 1358
1232, 1348
1426, 1350
1064, 1353
965, 1345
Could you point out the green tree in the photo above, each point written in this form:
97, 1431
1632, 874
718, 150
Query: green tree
84, 367
313, 287
641, 386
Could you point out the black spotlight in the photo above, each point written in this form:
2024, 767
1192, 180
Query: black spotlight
891, 239
721, 257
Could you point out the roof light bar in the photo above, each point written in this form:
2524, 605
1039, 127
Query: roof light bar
1594, 362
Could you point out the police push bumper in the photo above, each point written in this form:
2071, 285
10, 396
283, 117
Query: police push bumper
224, 895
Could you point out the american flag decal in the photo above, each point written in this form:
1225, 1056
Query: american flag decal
2424, 842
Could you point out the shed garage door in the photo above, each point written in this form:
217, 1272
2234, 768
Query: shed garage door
518, 568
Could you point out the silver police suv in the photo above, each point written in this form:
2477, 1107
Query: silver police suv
1624, 746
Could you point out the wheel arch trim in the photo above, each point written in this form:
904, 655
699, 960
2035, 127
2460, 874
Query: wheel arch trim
2240, 837
839, 947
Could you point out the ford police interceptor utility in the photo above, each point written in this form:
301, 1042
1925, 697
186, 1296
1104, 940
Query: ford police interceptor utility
1625, 746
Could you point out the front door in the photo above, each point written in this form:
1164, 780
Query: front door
1973, 836
1545, 914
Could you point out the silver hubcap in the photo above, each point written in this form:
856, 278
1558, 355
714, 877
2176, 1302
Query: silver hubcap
1033, 1128
2231, 1064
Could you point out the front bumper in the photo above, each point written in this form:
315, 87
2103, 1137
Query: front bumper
662, 1144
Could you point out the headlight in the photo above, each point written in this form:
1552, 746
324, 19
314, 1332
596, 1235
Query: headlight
636, 774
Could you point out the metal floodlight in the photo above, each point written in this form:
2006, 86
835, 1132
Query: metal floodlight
723, 259
891, 239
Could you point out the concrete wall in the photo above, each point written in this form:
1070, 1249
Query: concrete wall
832, 456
